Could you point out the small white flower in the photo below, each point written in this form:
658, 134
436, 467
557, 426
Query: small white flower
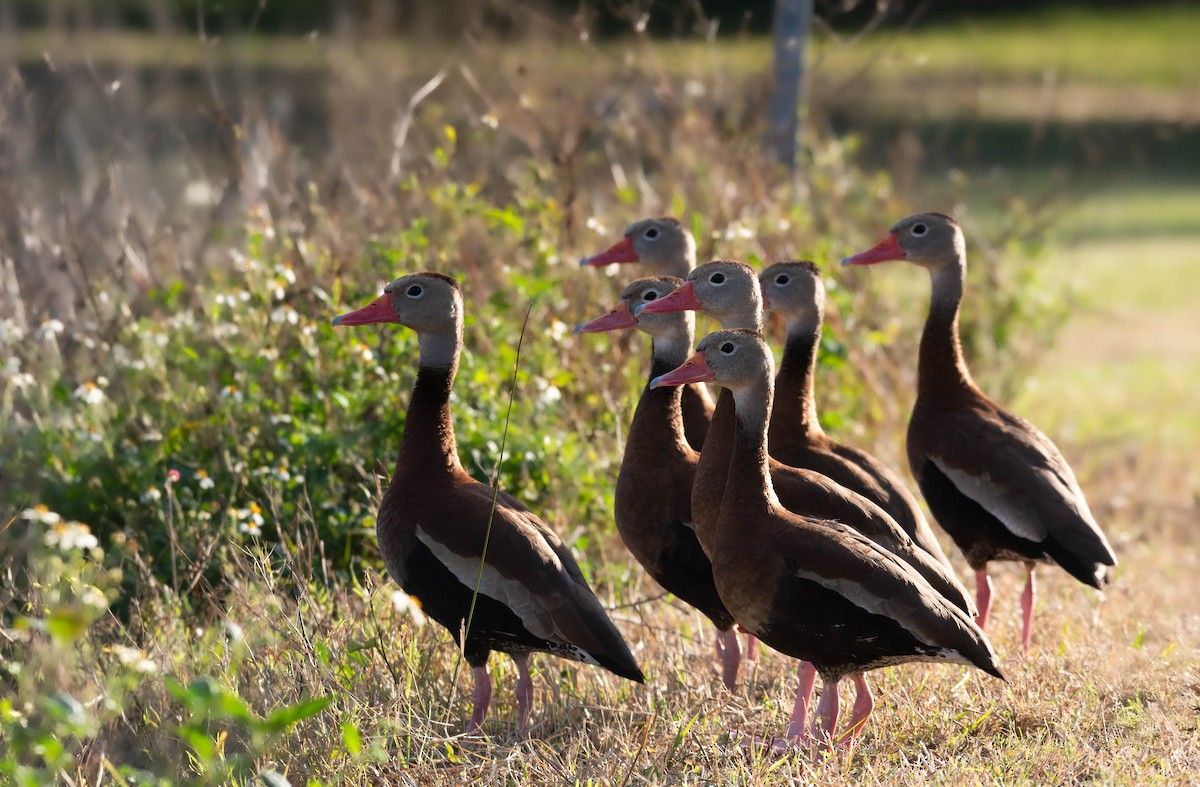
89, 393
49, 329
90, 434
135, 658
286, 314
489, 120
10, 332
405, 603
225, 330
595, 225
200, 194
231, 392
251, 519
282, 474
152, 495
22, 381
71, 535
694, 88
281, 418
92, 597
558, 330
551, 395
286, 272
205, 480
41, 513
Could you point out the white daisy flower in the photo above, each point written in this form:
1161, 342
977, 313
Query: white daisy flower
406, 604
49, 329
135, 658
89, 393
41, 513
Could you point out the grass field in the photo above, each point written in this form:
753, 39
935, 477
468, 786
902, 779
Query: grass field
233, 624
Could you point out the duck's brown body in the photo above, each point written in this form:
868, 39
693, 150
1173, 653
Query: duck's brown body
814, 589
996, 484
652, 500
490, 569
432, 526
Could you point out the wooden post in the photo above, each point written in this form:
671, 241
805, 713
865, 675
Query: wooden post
792, 19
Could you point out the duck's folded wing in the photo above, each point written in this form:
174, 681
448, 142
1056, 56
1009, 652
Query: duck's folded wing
1013, 471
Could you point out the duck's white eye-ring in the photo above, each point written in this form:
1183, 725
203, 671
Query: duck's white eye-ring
919, 229
651, 233
415, 291
717, 278
782, 279
728, 348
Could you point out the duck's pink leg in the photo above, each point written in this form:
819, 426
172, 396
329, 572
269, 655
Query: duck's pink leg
482, 697
983, 597
1027, 598
727, 651
827, 714
524, 691
807, 675
751, 647
864, 703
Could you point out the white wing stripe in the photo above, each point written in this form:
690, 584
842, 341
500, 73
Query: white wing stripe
494, 585
1019, 517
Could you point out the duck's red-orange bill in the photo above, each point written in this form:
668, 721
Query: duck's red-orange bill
619, 317
680, 299
378, 310
621, 251
693, 370
887, 249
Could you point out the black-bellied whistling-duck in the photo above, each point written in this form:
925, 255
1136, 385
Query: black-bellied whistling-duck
665, 248
652, 501
995, 483
795, 292
815, 590
729, 292
433, 524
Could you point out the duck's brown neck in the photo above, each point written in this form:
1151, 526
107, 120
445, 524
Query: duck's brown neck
941, 364
795, 411
428, 443
748, 485
658, 421
714, 459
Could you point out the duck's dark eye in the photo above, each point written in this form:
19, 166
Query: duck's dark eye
919, 229
650, 295
782, 279
727, 348
717, 279
651, 233
415, 291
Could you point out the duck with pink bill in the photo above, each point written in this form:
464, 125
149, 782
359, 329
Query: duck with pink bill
652, 499
477, 560
813, 589
794, 291
993, 481
663, 247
